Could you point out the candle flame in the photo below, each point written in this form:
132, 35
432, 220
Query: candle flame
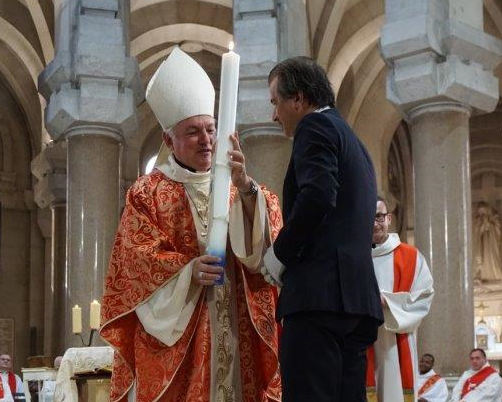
231, 46
94, 301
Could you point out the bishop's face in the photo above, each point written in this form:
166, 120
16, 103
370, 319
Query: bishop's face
192, 140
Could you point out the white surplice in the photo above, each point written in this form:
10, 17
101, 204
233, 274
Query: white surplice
7, 396
490, 390
403, 314
438, 392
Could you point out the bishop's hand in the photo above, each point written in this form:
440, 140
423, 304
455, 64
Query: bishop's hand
237, 163
203, 273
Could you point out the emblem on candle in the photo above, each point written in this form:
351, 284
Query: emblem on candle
94, 316
220, 170
76, 319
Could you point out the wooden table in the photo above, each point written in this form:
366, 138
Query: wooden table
83, 380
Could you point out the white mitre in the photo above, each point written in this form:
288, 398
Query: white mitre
179, 89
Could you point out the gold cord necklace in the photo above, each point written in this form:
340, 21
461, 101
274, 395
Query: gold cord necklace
202, 220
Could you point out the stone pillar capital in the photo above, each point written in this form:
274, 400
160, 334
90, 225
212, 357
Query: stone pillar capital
50, 190
438, 107
250, 9
49, 167
91, 80
94, 129
437, 51
52, 159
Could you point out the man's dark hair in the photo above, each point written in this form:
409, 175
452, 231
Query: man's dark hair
302, 74
478, 350
429, 355
382, 199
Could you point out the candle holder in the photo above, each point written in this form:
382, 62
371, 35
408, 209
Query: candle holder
91, 336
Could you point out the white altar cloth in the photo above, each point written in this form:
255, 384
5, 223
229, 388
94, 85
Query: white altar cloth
78, 361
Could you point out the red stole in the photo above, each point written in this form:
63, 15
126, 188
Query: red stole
12, 385
429, 384
405, 262
474, 381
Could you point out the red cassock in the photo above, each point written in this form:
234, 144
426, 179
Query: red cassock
156, 238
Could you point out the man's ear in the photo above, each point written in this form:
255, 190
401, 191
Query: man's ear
298, 99
167, 139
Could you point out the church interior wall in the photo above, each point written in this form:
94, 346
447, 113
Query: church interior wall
486, 170
14, 12
347, 47
376, 124
22, 246
15, 283
400, 183
36, 285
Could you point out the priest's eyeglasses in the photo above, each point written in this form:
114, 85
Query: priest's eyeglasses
381, 217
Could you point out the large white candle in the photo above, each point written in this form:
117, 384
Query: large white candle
220, 171
94, 316
76, 319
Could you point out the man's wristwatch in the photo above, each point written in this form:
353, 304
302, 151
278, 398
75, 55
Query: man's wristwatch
253, 189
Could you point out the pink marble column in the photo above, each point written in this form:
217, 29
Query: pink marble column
92, 217
440, 138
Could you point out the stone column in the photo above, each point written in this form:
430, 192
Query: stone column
441, 68
93, 209
49, 167
92, 88
440, 137
257, 37
293, 24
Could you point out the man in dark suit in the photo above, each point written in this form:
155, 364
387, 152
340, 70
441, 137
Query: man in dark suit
329, 302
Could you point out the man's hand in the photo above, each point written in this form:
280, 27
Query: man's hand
384, 302
422, 400
237, 163
203, 273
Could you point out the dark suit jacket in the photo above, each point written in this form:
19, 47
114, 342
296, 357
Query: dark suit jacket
329, 203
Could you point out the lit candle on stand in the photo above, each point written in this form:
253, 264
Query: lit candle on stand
220, 171
76, 319
94, 316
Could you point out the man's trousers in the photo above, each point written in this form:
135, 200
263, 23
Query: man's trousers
323, 356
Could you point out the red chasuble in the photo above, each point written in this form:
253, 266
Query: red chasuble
473, 382
405, 261
156, 238
12, 385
